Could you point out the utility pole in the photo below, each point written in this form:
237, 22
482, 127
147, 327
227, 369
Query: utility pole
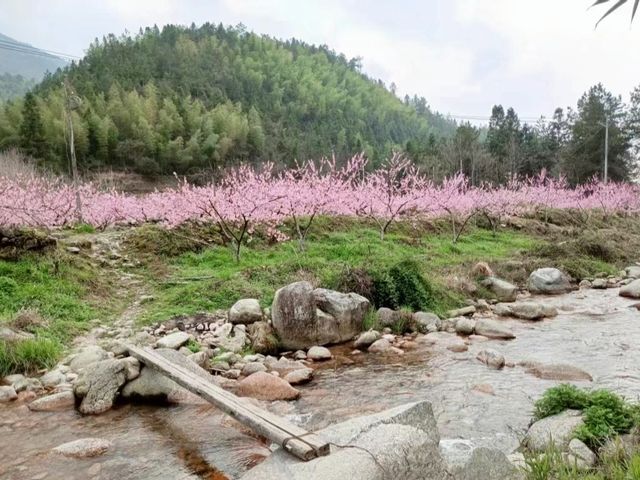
73, 102
606, 149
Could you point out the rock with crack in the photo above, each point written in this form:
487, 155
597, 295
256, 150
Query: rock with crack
98, 386
548, 281
400, 443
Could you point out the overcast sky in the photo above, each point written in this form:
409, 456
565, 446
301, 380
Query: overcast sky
462, 55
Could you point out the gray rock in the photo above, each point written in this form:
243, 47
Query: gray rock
584, 457
245, 311
426, 322
253, 367
556, 371
283, 365
132, 368
7, 394
319, 354
87, 356
401, 443
348, 310
386, 317
493, 329
236, 341
548, 281
557, 429
153, 386
465, 326
633, 271
84, 448
526, 310
200, 358
263, 338
503, 290
10, 335
489, 464
380, 346
298, 377
631, 290
52, 403
365, 339
462, 312
99, 385
27, 384
11, 379
53, 378
174, 340
491, 358
599, 283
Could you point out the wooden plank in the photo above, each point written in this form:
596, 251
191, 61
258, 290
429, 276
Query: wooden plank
292, 438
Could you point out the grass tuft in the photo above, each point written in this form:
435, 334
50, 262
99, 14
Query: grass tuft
28, 356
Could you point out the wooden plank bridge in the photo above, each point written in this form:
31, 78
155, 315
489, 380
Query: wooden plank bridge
295, 440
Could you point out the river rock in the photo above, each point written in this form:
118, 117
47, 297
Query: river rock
584, 457
426, 322
283, 365
253, 367
503, 290
489, 464
465, 326
493, 329
153, 386
348, 310
132, 367
548, 281
245, 311
27, 384
481, 270
631, 290
319, 354
99, 385
52, 403
263, 338
300, 376
632, 271
491, 358
53, 378
402, 442
11, 335
7, 394
263, 386
386, 317
174, 340
525, 310
462, 312
87, 356
556, 429
365, 339
379, 346
236, 341
556, 371
84, 448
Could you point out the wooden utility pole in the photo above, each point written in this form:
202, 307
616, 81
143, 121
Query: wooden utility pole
606, 149
73, 102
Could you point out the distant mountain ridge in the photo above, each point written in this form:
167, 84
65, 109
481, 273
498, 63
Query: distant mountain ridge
18, 58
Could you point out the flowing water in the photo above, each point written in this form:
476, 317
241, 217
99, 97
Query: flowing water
596, 330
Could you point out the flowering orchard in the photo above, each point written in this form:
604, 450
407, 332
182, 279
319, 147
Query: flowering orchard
247, 197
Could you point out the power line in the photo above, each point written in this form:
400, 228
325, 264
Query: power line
29, 50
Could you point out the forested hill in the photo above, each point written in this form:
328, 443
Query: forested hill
185, 98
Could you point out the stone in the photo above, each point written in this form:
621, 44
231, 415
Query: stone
153, 386
294, 317
465, 326
282, 365
599, 283
262, 386
462, 312
489, 464
633, 271
493, 329
53, 403
386, 317
245, 311
99, 386
132, 368
87, 356
7, 394
556, 371
200, 358
503, 290
53, 378
402, 441
347, 309
300, 355
491, 358
557, 430
253, 367
236, 341
631, 290
426, 322
84, 448
319, 354
365, 339
10, 335
379, 346
27, 384
300, 376
526, 310
481, 269
11, 379
548, 281
583, 454
174, 340
263, 338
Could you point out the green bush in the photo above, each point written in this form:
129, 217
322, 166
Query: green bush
412, 289
605, 413
384, 292
28, 355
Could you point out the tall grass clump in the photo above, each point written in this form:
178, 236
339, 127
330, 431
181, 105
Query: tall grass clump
28, 356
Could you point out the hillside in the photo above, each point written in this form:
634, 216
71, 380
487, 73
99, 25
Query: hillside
183, 99
21, 65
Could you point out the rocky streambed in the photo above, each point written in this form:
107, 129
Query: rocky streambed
481, 372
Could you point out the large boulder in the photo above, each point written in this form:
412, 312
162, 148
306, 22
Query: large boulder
245, 311
151, 385
265, 386
426, 322
400, 443
87, 356
503, 290
493, 329
631, 290
303, 317
98, 386
556, 430
548, 281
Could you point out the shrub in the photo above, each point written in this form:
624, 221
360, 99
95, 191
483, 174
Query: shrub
560, 398
384, 291
28, 319
193, 346
28, 355
412, 289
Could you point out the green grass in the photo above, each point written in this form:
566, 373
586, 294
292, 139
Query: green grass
331, 248
28, 355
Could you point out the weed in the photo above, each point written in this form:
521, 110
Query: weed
28, 355
193, 346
